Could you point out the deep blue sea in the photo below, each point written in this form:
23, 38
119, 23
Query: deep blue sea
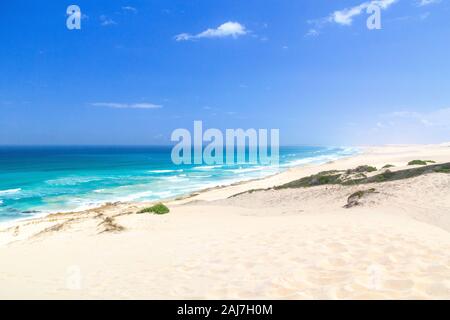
40, 180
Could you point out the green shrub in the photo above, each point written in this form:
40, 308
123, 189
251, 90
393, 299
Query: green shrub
382, 177
325, 177
156, 209
371, 169
417, 163
445, 168
353, 200
362, 169
388, 166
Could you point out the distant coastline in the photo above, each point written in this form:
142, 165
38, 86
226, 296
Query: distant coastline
73, 179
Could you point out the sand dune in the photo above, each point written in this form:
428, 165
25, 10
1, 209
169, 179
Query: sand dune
283, 244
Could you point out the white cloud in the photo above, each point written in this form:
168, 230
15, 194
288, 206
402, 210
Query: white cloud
228, 29
105, 21
312, 33
116, 105
129, 9
345, 17
423, 3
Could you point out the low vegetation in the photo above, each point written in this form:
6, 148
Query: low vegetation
156, 209
353, 199
360, 194
325, 177
347, 177
247, 192
388, 166
343, 178
362, 169
420, 162
109, 225
356, 177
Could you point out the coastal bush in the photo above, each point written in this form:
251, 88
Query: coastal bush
388, 166
445, 168
156, 209
417, 163
325, 177
362, 169
353, 199
385, 176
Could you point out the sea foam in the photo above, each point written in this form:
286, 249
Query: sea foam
10, 191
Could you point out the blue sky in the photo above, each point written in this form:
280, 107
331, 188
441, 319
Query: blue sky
139, 69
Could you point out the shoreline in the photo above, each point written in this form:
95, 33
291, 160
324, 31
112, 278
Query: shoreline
203, 193
42, 215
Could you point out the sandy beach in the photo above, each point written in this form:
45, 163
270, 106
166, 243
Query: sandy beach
227, 243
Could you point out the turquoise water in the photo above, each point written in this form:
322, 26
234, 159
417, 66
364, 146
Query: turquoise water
40, 180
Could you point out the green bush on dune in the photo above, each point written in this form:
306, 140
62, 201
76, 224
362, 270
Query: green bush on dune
384, 176
156, 209
353, 199
362, 169
325, 177
443, 169
420, 162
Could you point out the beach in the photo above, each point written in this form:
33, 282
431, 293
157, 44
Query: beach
249, 240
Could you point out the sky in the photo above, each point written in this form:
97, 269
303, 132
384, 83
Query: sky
137, 70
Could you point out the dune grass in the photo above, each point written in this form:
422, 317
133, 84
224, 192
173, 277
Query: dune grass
156, 209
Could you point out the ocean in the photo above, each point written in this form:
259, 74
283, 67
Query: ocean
41, 180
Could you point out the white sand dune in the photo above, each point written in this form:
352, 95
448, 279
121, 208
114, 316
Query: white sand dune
284, 244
